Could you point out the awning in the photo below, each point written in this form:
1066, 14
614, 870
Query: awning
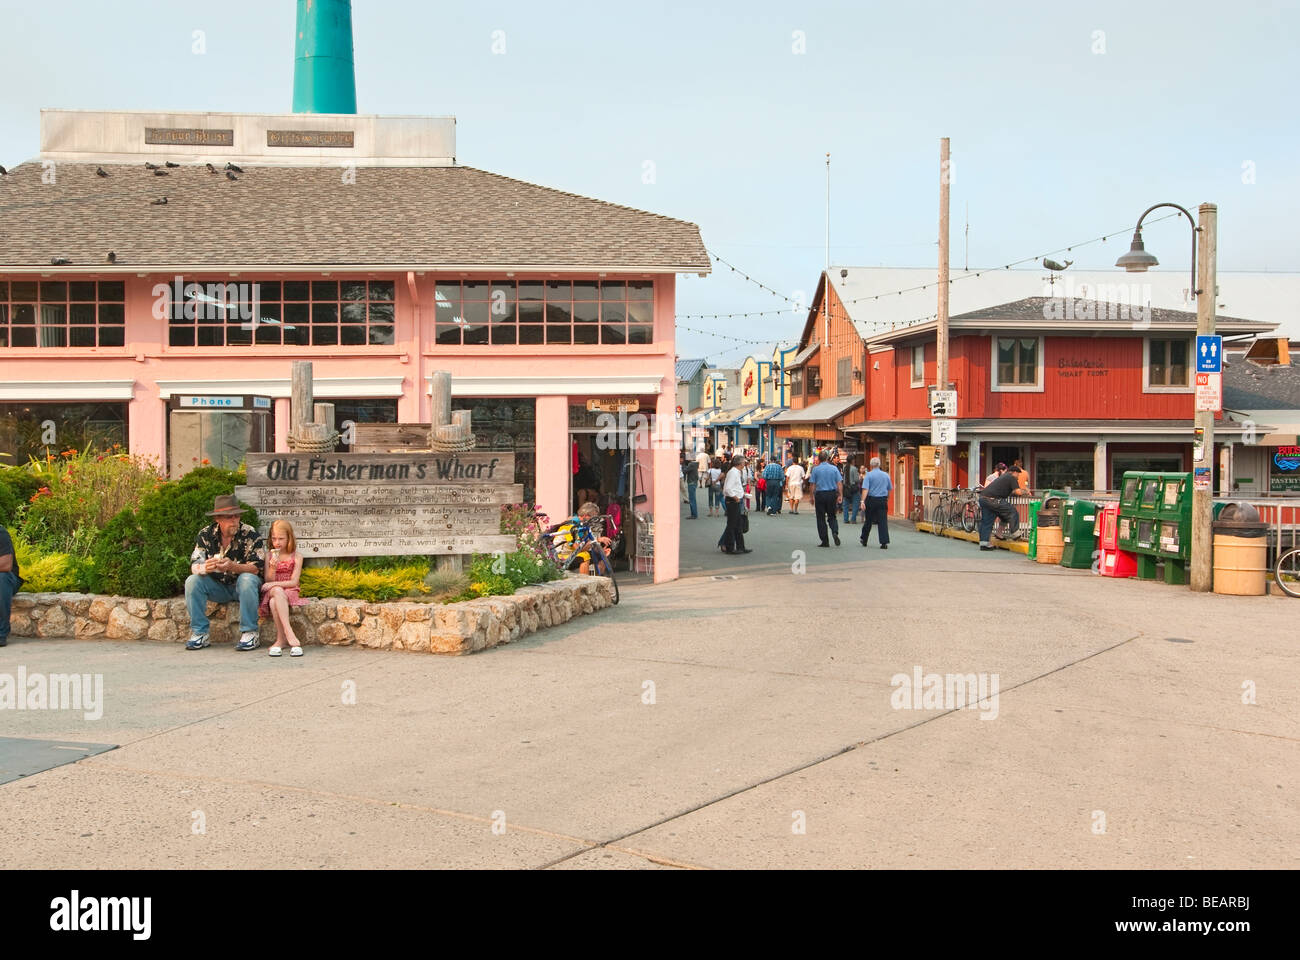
1118, 431
729, 417
760, 416
803, 355
823, 411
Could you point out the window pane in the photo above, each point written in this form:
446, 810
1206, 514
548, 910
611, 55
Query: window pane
82, 337
324, 335
530, 333
447, 296
352, 335
640, 312
24, 314
613, 290
78, 291
54, 290
559, 290
25, 290
584, 312
557, 312
530, 312
324, 313
54, 314
1159, 370
4, 336
324, 290
447, 333
211, 336
503, 288
641, 290
296, 290
354, 290
1006, 373
239, 333
613, 333
4, 290
54, 336
181, 337
354, 313
639, 333
381, 290
555, 333
267, 332
381, 313
613, 312
584, 290
112, 290
297, 335
504, 333
381, 335
297, 315
527, 291
586, 333
474, 290
82, 313
112, 313
268, 291
1178, 363
22, 336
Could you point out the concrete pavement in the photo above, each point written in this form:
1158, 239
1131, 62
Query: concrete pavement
705, 723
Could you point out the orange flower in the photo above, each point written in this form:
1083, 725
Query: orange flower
206, 462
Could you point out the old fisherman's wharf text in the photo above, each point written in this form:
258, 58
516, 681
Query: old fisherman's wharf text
336, 470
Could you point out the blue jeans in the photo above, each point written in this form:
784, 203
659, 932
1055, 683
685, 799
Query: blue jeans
690, 494
774, 496
9, 585
990, 510
851, 501
200, 589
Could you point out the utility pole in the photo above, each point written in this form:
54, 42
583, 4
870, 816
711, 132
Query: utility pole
1203, 499
941, 351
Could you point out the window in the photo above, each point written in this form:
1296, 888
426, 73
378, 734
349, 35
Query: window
796, 382
918, 366
320, 313
1056, 471
363, 411
507, 425
1166, 365
25, 426
843, 376
58, 313
1017, 363
554, 312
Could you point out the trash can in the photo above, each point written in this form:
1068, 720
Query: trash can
1078, 534
1034, 507
1240, 551
1049, 542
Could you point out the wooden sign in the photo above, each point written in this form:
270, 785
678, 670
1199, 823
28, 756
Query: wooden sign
328, 469
309, 138
416, 544
315, 523
389, 437
189, 136
621, 405
366, 495
925, 462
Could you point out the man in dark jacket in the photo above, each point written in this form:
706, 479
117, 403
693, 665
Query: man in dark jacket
993, 503
691, 474
10, 581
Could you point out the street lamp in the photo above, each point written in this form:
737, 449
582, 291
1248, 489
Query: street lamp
1204, 288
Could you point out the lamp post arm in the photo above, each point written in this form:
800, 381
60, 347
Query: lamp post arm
1195, 230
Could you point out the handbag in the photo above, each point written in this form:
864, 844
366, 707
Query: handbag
640, 485
744, 522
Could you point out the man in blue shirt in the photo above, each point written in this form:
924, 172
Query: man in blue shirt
828, 491
875, 502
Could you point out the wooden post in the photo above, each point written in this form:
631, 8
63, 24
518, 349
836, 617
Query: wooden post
300, 408
324, 414
942, 478
462, 419
1203, 500
440, 402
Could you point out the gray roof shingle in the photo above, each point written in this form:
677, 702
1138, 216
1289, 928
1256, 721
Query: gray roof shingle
394, 217
1254, 386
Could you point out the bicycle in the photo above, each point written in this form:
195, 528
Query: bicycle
945, 513
574, 542
1286, 572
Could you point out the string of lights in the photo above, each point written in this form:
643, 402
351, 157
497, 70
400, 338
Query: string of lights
924, 286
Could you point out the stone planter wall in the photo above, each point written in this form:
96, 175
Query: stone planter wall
465, 627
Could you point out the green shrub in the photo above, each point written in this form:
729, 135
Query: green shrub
79, 492
145, 552
17, 487
375, 586
45, 572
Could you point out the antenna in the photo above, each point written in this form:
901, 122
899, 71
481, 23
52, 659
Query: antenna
966, 259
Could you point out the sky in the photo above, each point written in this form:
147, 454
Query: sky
1066, 120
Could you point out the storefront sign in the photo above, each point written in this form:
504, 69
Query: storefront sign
926, 461
212, 403
309, 138
379, 504
802, 431
1072, 367
620, 405
1284, 470
1209, 392
189, 137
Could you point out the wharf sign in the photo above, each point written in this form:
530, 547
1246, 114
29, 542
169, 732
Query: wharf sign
381, 504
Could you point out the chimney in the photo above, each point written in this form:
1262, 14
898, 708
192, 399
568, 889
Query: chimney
324, 78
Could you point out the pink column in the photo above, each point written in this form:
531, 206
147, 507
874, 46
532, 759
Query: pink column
667, 489
554, 456
146, 418
281, 424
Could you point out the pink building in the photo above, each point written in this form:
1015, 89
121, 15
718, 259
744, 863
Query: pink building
355, 242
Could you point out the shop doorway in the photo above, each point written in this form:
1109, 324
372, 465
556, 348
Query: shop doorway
611, 471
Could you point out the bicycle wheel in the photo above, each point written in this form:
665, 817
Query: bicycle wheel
1287, 573
937, 518
969, 516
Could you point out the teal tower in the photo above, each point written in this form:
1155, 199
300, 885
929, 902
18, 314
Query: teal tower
324, 76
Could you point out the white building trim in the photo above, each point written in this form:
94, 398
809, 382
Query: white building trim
550, 386
323, 388
35, 391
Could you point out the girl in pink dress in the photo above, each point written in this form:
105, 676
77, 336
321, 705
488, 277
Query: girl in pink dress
280, 586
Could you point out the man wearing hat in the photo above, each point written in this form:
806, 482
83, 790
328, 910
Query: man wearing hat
225, 567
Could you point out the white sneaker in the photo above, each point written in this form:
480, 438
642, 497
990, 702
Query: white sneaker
248, 641
295, 651
275, 651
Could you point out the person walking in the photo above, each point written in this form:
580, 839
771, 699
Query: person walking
715, 487
794, 476
828, 492
875, 503
775, 479
852, 486
691, 476
993, 503
733, 495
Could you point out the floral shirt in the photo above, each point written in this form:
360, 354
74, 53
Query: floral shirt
245, 547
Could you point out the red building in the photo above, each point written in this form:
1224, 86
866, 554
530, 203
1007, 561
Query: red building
1079, 390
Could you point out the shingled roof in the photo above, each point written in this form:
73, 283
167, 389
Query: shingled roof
1255, 386
308, 217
